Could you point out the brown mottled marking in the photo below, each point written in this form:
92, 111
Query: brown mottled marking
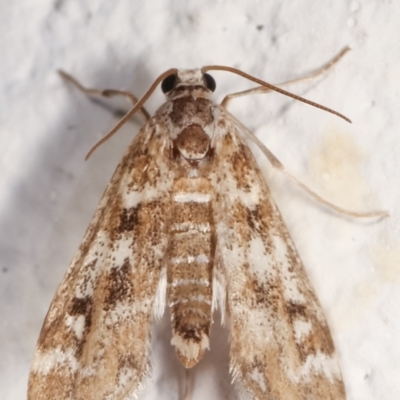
188, 213
128, 219
185, 108
194, 271
119, 285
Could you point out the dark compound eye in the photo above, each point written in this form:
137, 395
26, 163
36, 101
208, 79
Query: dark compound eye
210, 82
168, 83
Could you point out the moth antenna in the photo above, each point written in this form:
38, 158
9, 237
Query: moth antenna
272, 87
132, 111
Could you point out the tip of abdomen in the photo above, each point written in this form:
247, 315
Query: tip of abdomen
190, 350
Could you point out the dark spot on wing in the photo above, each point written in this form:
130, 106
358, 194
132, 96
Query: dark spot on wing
118, 285
241, 168
319, 338
82, 306
267, 295
296, 310
128, 219
127, 361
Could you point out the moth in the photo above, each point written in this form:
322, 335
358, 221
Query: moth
187, 222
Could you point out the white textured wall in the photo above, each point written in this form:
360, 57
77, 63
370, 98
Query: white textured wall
48, 193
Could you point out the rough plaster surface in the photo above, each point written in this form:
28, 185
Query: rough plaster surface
48, 193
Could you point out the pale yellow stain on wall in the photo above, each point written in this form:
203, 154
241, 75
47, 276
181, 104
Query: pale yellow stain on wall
386, 259
336, 168
351, 307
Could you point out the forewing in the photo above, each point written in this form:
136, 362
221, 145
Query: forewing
281, 347
94, 343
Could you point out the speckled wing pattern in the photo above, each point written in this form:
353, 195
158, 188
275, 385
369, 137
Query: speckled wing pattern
95, 340
281, 347
187, 222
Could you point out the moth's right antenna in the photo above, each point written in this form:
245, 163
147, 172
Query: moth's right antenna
272, 87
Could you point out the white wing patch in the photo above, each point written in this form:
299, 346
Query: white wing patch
301, 329
44, 363
161, 295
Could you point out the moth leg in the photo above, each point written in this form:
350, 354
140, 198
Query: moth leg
187, 385
279, 166
261, 89
105, 93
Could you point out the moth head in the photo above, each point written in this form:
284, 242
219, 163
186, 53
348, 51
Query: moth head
188, 78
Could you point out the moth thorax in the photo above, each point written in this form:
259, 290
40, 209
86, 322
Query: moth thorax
192, 143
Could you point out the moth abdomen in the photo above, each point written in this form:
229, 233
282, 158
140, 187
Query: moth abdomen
189, 270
